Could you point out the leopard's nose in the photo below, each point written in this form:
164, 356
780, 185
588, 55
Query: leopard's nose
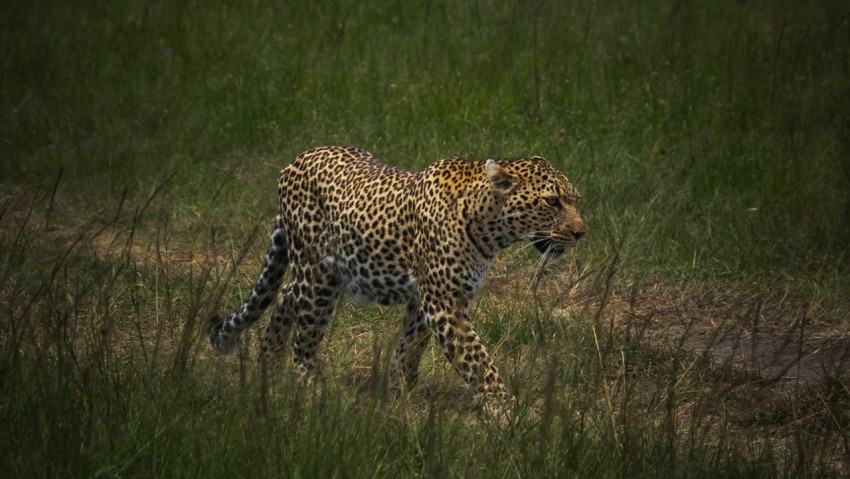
577, 234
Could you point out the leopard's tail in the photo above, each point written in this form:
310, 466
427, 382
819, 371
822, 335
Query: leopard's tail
224, 333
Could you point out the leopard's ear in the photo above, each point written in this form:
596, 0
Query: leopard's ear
500, 180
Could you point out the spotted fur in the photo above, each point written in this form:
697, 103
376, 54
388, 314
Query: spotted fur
349, 223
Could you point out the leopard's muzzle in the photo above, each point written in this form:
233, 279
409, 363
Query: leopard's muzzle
555, 245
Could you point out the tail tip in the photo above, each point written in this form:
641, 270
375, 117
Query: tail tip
213, 329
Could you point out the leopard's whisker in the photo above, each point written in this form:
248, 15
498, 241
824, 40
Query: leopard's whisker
531, 241
540, 267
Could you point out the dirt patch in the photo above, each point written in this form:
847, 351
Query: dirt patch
774, 335
771, 333
116, 245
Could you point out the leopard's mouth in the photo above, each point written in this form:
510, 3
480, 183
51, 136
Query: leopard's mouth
547, 246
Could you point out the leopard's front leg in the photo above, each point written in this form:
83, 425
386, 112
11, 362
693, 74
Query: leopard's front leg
463, 348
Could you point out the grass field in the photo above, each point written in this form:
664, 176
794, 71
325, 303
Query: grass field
702, 332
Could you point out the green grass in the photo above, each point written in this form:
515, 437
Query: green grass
139, 148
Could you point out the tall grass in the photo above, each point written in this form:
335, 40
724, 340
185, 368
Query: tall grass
140, 145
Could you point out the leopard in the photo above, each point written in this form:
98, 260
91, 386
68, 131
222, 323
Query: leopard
350, 224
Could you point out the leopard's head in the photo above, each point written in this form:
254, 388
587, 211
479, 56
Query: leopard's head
539, 204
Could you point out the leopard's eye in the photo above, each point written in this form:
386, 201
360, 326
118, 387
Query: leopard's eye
553, 201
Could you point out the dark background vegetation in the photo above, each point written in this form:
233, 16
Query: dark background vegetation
702, 330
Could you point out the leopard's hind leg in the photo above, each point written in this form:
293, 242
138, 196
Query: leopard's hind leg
414, 336
279, 329
315, 293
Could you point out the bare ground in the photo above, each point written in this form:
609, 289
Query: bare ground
775, 335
